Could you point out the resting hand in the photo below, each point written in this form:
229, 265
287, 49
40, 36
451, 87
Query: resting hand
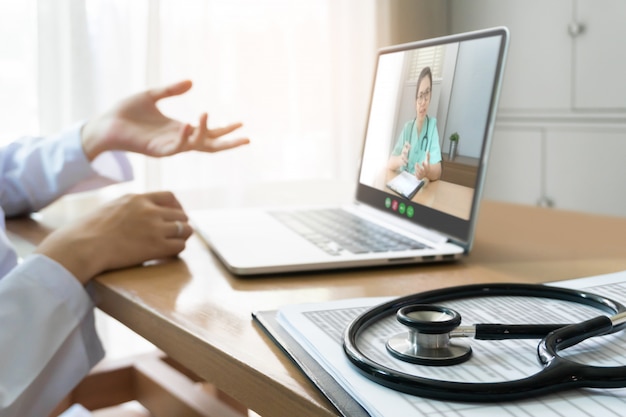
137, 125
126, 232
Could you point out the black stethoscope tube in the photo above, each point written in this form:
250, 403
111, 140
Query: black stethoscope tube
558, 373
514, 331
425, 142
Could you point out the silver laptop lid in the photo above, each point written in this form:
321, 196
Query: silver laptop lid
435, 99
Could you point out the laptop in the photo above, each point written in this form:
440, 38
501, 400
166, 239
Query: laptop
434, 221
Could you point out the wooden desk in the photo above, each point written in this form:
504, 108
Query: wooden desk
199, 314
447, 197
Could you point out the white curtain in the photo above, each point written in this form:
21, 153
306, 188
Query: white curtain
297, 73
18, 74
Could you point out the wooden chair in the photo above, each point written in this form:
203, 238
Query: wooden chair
163, 388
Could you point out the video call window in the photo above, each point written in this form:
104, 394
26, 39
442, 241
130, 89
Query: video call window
429, 113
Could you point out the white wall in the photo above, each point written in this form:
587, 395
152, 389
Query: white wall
471, 93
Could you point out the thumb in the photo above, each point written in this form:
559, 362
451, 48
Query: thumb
175, 89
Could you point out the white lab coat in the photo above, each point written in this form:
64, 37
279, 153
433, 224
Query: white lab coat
48, 341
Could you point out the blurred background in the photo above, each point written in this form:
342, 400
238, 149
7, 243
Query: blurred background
298, 73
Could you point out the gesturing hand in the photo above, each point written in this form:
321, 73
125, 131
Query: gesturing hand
137, 125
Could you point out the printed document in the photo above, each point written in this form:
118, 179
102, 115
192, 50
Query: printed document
319, 329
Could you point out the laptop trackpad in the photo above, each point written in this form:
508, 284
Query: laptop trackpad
244, 238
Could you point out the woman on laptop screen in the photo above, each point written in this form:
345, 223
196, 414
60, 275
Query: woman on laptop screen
417, 148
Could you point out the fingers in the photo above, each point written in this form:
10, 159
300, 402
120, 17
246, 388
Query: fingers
405, 150
200, 132
405, 153
221, 131
171, 90
164, 198
176, 222
198, 139
420, 171
179, 230
225, 145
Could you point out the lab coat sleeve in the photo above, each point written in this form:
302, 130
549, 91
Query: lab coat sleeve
48, 341
34, 171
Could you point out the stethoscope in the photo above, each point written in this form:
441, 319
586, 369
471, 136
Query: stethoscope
425, 140
430, 329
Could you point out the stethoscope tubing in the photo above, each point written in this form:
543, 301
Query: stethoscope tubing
585, 376
425, 142
558, 373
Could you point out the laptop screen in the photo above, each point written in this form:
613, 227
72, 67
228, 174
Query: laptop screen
428, 133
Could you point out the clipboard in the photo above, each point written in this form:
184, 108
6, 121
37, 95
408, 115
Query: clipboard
405, 184
307, 323
323, 381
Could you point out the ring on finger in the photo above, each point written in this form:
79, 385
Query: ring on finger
179, 228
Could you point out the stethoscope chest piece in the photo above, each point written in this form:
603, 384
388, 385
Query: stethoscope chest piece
427, 341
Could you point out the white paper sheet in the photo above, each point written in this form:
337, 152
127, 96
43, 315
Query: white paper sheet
319, 328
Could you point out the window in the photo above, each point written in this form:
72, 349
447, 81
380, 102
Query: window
426, 57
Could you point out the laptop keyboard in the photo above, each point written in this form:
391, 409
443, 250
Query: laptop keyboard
336, 231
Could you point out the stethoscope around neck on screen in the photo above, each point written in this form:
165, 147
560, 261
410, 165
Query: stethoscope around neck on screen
432, 327
425, 142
